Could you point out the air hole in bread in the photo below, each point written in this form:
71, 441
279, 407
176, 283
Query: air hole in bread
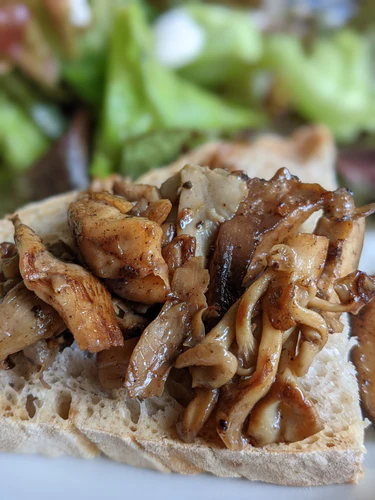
63, 406
329, 434
90, 411
30, 405
312, 439
330, 445
95, 400
11, 395
18, 385
153, 407
23, 415
133, 428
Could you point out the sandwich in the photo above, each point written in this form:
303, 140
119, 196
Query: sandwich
193, 321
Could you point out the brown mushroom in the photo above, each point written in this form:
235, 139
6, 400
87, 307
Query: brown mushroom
124, 250
363, 356
25, 319
81, 300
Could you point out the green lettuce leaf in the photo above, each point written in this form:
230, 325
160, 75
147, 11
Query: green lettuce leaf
333, 83
142, 96
21, 141
45, 113
157, 148
85, 72
232, 42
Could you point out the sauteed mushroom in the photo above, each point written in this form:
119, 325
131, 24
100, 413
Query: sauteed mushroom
209, 287
25, 319
81, 300
363, 356
117, 246
161, 342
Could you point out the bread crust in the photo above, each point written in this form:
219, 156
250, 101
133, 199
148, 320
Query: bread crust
149, 439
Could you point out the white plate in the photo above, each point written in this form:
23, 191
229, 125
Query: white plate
39, 478
367, 262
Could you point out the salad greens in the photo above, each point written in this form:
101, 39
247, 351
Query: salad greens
44, 113
141, 95
157, 148
21, 142
104, 61
232, 42
85, 73
333, 83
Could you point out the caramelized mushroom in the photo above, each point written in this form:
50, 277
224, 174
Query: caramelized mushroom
178, 251
82, 301
9, 268
25, 319
148, 290
285, 414
207, 199
197, 413
363, 356
116, 246
135, 192
131, 324
213, 364
113, 363
162, 340
271, 211
343, 224
238, 399
154, 355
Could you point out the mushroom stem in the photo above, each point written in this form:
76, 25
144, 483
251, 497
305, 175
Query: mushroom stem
314, 337
238, 399
285, 414
329, 306
197, 413
308, 348
247, 344
309, 318
212, 363
222, 364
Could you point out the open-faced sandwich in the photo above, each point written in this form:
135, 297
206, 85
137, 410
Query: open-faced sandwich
193, 322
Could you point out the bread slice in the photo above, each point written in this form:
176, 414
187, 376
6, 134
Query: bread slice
75, 416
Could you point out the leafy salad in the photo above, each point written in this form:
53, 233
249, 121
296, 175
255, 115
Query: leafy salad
107, 86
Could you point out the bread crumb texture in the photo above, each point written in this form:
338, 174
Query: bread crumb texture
77, 417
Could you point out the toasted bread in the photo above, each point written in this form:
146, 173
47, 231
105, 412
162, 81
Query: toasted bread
69, 413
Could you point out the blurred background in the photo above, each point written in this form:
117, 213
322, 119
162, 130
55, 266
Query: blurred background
91, 87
